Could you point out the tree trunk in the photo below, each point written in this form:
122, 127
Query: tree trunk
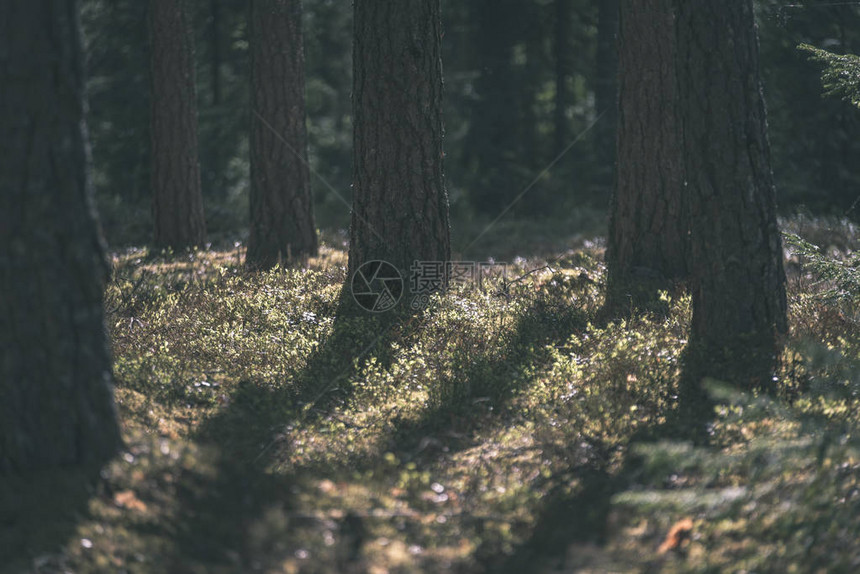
400, 206
215, 47
493, 147
606, 87
176, 196
56, 397
735, 258
648, 228
527, 88
282, 222
563, 72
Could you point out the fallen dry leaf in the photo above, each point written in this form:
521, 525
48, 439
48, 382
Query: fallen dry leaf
678, 535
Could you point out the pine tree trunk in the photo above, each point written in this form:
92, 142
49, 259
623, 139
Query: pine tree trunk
400, 206
176, 196
56, 397
737, 278
215, 49
563, 71
606, 87
648, 227
493, 137
529, 140
282, 222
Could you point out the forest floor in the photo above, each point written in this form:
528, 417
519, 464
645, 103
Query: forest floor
269, 427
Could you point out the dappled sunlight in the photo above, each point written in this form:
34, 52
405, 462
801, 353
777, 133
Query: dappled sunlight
268, 429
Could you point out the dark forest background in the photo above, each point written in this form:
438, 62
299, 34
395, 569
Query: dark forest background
524, 81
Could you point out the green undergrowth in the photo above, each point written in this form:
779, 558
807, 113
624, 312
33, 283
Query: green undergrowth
271, 426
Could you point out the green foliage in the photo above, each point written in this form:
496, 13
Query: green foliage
779, 495
617, 378
839, 278
271, 427
810, 136
841, 75
776, 488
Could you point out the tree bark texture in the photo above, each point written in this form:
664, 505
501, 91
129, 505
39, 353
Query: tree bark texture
282, 221
400, 206
56, 394
735, 258
176, 195
648, 228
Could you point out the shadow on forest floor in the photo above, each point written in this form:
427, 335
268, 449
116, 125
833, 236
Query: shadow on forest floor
483, 386
269, 429
342, 456
219, 511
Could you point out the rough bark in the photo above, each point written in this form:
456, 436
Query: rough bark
56, 398
735, 257
176, 196
282, 222
400, 206
648, 227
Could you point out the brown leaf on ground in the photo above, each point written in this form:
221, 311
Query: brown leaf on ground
678, 535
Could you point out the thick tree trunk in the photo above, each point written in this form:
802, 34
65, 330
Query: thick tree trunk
648, 228
282, 222
735, 258
400, 206
56, 398
606, 86
176, 197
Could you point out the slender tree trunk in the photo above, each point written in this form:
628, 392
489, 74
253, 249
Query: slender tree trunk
735, 258
56, 398
563, 71
648, 229
282, 222
400, 206
494, 136
606, 86
215, 48
177, 200
529, 140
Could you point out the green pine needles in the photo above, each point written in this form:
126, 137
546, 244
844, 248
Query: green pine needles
841, 74
838, 278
